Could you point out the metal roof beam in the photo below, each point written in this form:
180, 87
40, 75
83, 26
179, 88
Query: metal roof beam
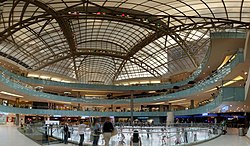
98, 53
63, 23
145, 67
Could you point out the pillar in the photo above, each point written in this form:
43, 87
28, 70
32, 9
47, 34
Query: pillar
79, 94
191, 104
17, 120
17, 102
170, 118
161, 108
132, 108
37, 118
78, 107
112, 107
170, 106
78, 119
65, 119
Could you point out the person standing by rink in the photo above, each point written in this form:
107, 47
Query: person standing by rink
224, 127
66, 133
96, 132
81, 130
107, 130
135, 139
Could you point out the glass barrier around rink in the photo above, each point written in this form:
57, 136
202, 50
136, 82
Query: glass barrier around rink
175, 134
38, 133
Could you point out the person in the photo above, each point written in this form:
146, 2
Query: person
122, 142
107, 130
185, 136
135, 139
147, 133
97, 132
224, 126
66, 133
81, 130
178, 137
195, 137
209, 133
163, 140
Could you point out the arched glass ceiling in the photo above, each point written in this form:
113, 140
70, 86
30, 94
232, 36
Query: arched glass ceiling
165, 56
98, 69
123, 34
100, 41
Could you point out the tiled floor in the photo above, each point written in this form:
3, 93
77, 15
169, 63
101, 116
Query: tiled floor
228, 140
9, 136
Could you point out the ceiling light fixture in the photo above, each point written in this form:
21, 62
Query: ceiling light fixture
233, 81
176, 100
10, 94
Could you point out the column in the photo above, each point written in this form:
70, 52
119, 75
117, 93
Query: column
170, 106
65, 119
112, 107
78, 107
17, 102
170, 118
132, 108
79, 94
191, 104
17, 120
78, 119
37, 118
247, 48
161, 108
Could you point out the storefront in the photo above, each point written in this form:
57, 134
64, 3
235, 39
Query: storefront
3, 118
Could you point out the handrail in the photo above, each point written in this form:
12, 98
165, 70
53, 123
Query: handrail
103, 87
226, 94
217, 76
216, 35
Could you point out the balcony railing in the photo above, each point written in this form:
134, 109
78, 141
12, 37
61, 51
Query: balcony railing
226, 94
11, 82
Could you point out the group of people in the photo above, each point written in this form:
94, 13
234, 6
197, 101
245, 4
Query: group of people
106, 130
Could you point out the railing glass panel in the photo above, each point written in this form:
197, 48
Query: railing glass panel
224, 95
228, 35
217, 76
184, 134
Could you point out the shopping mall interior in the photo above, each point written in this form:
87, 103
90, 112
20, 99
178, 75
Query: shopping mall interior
176, 72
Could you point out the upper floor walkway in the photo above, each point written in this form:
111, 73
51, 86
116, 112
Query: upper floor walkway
226, 94
15, 82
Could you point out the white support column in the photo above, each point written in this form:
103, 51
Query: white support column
247, 47
170, 118
247, 59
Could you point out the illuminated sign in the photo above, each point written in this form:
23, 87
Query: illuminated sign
224, 108
57, 116
205, 114
3, 113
